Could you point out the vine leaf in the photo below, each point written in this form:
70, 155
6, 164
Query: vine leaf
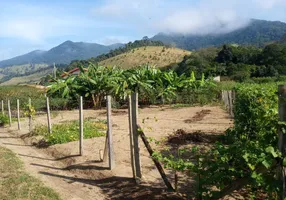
284, 162
272, 151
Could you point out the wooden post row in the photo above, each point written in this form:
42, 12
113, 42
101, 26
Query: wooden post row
81, 126
18, 114
30, 117
2, 107
49, 115
9, 113
134, 111
131, 135
282, 137
109, 134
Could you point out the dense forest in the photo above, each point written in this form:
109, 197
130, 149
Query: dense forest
237, 62
257, 33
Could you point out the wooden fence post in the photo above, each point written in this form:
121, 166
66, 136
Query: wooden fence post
2, 107
9, 113
131, 135
18, 114
81, 126
230, 103
282, 137
109, 134
134, 110
30, 117
49, 116
156, 162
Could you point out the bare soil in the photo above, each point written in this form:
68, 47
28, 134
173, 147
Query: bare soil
86, 177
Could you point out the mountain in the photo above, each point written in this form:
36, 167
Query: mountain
61, 54
258, 32
154, 55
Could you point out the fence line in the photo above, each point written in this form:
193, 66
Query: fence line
9, 113
228, 98
2, 107
49, 116
134, 111
109, 134
18, 114
131, 136
81, 126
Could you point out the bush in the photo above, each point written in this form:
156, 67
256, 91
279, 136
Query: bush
4, 120
248, 153
69, 131
252, 148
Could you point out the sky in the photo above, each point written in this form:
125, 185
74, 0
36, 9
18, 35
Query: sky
27, 25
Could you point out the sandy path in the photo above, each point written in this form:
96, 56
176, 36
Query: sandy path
34, 159
87, 178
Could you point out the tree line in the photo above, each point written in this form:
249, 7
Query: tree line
237, 62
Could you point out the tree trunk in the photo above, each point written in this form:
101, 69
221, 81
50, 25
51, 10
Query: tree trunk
93, 100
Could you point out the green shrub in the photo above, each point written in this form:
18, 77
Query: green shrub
248, 153
69, 131
252, 148
4, 119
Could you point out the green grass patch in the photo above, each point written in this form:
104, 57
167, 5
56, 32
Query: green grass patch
4, 120
17, 184
69, 131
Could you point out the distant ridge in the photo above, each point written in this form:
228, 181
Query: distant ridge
258, 32
61, 54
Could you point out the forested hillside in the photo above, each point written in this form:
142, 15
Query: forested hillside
61, 54
257, 33
237, 62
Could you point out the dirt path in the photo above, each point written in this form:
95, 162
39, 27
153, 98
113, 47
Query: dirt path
86, 177
34, 159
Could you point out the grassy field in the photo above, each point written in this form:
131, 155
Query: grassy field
155, 55
15, 183
21, 69
33, 78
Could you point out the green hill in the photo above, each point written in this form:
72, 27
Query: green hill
155, 55
257, 33
61, 54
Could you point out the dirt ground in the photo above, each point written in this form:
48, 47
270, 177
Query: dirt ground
86, 177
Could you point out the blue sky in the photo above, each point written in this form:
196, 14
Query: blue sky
30, 25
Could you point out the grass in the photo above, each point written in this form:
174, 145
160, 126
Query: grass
145, 55
69, 131
20, 70
4, 120
15, 183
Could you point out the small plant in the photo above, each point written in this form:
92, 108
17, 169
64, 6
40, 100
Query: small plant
4, 119
29, 111
69, 131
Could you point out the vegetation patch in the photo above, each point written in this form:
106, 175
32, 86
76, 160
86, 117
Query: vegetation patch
245, 159
17, 184
4, 120
68, 132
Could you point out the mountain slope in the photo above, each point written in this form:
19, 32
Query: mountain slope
62, 54
154, 55
258, 32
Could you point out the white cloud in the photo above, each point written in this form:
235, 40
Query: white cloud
185, 16
202, 21
269, 4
